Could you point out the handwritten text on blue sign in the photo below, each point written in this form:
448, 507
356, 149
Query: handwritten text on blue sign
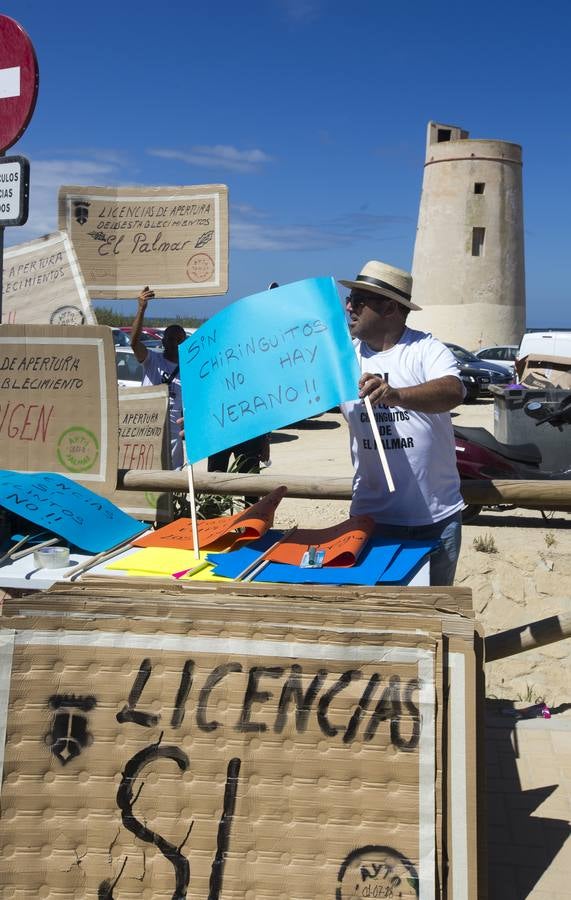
264, 362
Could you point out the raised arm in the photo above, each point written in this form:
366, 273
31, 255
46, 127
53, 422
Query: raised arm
139, 348
436, 396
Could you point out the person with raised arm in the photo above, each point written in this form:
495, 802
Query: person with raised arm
162, 367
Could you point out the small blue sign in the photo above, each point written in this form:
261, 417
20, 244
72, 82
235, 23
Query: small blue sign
71, 511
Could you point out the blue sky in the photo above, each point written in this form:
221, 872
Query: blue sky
313, 112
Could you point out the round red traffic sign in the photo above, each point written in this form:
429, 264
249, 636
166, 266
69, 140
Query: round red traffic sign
19, 78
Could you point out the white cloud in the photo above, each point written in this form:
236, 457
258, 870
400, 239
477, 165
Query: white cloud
255, 236
345, 230
46, 178
301, 10
220, 156
245, 209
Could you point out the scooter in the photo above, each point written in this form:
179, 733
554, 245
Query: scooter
480, 455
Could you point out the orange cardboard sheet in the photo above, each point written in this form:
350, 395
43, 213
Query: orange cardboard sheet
342, 543
247, 525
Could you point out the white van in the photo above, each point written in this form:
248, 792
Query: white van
545, 343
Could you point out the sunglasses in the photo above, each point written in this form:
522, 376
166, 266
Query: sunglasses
358, 300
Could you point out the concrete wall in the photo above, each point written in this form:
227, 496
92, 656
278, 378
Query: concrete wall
472, 300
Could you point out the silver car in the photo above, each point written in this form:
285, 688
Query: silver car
502, 354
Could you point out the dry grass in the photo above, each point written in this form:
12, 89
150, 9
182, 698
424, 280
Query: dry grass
485, 543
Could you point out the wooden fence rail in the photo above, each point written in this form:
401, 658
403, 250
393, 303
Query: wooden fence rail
528, 494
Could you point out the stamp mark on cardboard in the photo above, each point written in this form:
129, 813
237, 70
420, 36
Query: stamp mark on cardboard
77, 449
376, 871
200, 267
67, 315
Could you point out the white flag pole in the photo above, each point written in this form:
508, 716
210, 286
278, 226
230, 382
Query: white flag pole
379, 443
192, 498
376, 435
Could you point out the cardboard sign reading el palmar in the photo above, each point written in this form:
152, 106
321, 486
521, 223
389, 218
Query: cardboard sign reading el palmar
219, 757
172, 238
43, 284
264, 362
58, 402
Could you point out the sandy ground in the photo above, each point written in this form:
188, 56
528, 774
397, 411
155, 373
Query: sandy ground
527, 579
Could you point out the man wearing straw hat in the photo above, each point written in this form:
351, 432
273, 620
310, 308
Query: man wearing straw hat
413, 382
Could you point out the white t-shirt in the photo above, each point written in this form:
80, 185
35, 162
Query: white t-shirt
419, 447
156, 370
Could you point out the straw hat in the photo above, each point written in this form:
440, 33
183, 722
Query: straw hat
379, 278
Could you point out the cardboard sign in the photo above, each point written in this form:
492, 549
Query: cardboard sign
55, 503
58, 402
174, 239
264, 362
233, 530
43, 284
143, 444
216, 758
549, 372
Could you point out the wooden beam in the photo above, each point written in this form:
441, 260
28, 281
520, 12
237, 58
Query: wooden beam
528, 494
527, 637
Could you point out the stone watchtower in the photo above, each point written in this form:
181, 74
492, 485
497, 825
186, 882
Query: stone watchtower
468, 266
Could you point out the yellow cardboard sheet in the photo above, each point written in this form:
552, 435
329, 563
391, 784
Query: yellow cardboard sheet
164, 561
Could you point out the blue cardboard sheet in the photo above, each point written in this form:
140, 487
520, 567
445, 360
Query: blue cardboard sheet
230, 564
69, 510
407, 561
367, 570
383, 561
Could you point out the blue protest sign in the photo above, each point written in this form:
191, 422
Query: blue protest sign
264, 362
70, 510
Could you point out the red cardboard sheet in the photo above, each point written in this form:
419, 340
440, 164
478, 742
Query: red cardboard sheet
342, 543
225, 531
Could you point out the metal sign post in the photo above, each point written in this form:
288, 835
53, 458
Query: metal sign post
19, 80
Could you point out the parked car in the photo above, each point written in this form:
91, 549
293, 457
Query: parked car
547, 343
120, 338
488, 373
129, 369
149, 337
501, 355
470, 380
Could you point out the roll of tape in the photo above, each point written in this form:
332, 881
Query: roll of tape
51, 557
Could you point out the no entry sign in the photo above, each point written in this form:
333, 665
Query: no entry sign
19, 79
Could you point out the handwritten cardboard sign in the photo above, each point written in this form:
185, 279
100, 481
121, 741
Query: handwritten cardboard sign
264, 362
70, 510
229, 754
43, 284
58, 402
244, 526
172, 238
143, 437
